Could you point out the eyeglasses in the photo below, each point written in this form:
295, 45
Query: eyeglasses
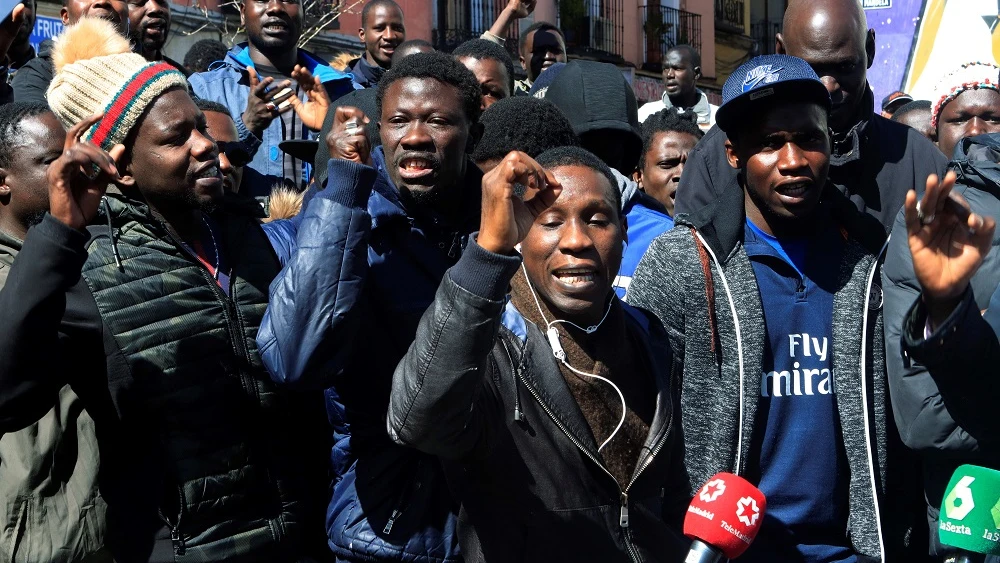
234, 151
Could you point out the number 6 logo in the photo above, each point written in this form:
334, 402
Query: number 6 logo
958, 504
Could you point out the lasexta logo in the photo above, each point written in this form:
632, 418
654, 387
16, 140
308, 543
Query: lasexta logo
959, 503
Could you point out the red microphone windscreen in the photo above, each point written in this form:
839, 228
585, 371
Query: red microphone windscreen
726, 513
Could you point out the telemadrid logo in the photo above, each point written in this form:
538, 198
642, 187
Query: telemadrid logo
712, 490
745, 505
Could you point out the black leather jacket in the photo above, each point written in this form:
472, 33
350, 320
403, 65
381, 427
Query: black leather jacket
480, 389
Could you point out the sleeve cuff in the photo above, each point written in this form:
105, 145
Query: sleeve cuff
250, 141
917, 336
484, 273
67, 237
348, 183
492, 38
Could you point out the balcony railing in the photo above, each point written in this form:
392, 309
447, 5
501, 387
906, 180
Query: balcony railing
461, 20
592, 27
763, 33
729, 15
665, 27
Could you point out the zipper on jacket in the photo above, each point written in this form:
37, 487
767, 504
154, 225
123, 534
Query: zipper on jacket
623, 520
403, 500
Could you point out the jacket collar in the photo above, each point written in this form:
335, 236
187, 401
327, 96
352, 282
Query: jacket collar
847, 147
702, 107
239, 56
977, 163
371, 74
9, 247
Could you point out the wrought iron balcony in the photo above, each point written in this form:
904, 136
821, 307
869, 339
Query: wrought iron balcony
665, 27
729, 15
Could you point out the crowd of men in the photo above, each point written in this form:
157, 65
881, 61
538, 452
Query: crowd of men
259, 306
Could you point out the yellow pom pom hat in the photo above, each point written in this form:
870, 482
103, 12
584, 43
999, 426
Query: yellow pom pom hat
96, 72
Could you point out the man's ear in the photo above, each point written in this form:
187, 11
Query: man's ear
4, 188
361, 34
637, 176
123, 161
64, 14
870, 47
243, 17
731, 156
697, 72
779, 44
475, 135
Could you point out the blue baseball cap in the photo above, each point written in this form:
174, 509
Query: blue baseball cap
764, 80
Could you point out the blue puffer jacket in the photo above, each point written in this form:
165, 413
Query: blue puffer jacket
359, 273
228, 83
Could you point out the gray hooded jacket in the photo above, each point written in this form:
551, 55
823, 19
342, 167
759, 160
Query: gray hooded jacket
722, 369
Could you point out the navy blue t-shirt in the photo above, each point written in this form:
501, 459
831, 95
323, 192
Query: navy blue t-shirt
797, 449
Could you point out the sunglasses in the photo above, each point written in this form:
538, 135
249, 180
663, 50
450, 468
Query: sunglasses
234, 151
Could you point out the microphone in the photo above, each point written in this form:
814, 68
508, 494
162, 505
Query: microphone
970, 514
723, 518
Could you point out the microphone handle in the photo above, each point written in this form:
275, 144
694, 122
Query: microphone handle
963, 557
701, 552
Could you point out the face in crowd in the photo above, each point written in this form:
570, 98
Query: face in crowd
574, 248
542, 49
273, 26
660, 169
492, 77
232, 156
971, 113
426, 136
680, 72
24, 189
832, 37
381, 32
149, 23
170, 158
115, 11
784, 157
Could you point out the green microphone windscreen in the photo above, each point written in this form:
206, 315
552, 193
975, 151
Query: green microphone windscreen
970, 511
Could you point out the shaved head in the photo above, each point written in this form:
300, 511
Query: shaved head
833, 37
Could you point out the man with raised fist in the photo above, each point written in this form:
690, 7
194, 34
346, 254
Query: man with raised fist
554, 410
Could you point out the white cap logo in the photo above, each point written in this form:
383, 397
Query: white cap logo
747, 511
763, 74
712, 490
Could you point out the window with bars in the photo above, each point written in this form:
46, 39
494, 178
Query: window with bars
461, 20
665, 27
592, 25
729, 15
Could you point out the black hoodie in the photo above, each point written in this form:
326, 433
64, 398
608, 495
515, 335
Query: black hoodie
32, 80
596, 97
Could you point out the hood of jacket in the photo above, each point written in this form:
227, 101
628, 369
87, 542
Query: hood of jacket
595, 96
722, 222
239, 57
977, 162
45, 49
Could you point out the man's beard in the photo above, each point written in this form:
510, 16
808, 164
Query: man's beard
425, 199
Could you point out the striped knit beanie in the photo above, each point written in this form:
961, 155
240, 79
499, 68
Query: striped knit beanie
970, 76
96, 72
